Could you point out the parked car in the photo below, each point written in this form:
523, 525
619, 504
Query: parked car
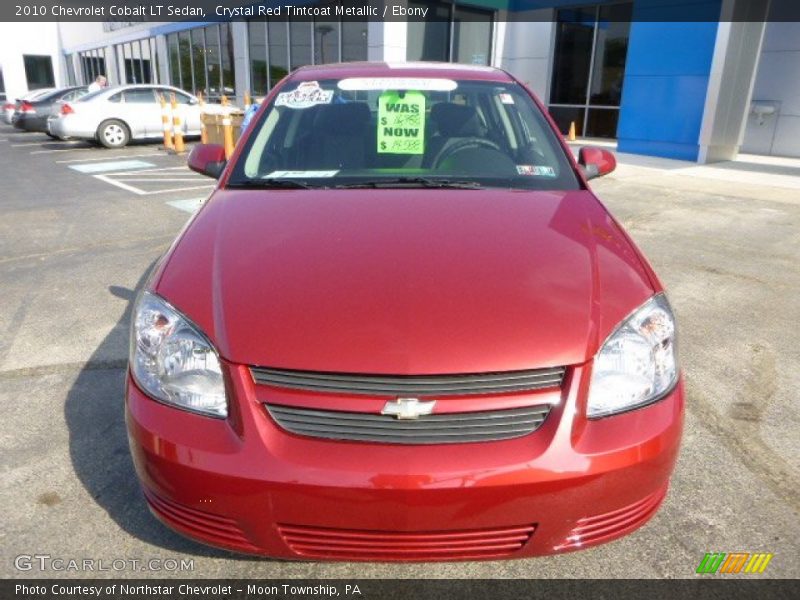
115, 116
32, 115
8, 111
11, 108
403, 327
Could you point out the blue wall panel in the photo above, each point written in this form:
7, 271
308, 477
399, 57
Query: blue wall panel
666, 80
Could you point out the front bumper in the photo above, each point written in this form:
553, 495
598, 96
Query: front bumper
247, 485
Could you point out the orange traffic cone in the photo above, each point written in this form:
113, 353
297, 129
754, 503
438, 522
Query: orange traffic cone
166, 117
227, 129
177, 127
203, 132
571, 135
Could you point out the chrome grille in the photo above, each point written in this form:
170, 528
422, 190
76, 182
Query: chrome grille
411, 385
453, 428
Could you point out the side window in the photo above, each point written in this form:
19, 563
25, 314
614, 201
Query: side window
180, 97
183, 98
139, 96
116, 97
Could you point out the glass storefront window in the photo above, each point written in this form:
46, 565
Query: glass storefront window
226, 47
602, 122
429, 39
185, 50
278, 53
454, 33
38, 71
257, 34
472, 36
564, 115
354, 41
589, 68
201, 60
573, 54
198, 61
71, 78
611, 49
93, 63
174, 60
277, 46
326, 42
137, 60
213, 66
300, 48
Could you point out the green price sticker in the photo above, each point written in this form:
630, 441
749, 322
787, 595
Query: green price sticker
401, 123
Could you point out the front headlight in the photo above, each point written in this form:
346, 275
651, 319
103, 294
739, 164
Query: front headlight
172, 360
638, 363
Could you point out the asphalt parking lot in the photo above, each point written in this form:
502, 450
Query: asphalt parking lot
80, 225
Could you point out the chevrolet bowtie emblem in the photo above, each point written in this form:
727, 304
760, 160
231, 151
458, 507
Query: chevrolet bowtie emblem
408, 408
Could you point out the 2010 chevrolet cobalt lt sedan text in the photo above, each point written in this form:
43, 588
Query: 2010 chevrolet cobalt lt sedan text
403, 328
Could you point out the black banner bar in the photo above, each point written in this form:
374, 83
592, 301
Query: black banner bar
138, 11
712, 587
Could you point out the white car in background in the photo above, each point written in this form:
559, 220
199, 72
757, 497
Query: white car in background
10, 107
115, 116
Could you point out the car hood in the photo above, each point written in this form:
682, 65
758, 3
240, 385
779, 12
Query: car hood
416, 281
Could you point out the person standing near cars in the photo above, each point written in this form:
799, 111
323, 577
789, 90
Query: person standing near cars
98, 84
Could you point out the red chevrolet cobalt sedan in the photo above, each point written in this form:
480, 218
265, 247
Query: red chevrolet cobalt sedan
403, 328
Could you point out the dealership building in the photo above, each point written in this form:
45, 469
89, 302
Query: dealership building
699, 90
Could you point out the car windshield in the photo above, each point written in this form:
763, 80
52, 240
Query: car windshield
403, 132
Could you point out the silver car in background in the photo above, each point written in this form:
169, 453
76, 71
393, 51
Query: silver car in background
115, 116
11, 107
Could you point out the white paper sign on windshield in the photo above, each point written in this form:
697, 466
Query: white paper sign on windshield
305, 95
397, 83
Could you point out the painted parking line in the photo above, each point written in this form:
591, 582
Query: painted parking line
80, 149
190, 205
152, 180
121, 182
140, 192
116, 165
143, 178
76, 160
46, 141
157, 171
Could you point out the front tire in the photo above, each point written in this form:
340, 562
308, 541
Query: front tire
113, 134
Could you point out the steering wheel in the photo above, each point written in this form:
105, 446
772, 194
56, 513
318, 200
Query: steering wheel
470, 142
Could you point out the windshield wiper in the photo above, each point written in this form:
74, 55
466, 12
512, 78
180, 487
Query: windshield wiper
273, 182
413, 182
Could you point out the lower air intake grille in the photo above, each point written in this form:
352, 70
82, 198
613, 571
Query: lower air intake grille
411, 385
320, 542
215, 529
607, 526
453, 428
